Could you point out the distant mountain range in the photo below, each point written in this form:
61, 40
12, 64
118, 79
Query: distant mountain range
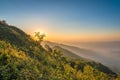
67, 53
91, 52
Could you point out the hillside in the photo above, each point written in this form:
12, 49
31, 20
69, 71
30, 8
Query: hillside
105, 53
72, 55
15, 37
67, 53
82, 51
22, 58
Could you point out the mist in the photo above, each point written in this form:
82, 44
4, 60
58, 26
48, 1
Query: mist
108, 53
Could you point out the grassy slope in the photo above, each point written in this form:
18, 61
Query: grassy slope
23, 58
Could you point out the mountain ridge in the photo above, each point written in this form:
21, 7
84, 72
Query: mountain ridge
22, 58
91, 54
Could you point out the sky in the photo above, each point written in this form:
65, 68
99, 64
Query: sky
65, 20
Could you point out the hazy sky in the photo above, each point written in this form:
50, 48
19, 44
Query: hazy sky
65, 20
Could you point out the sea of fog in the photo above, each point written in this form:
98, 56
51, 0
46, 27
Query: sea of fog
109, 53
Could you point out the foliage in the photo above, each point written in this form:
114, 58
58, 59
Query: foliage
22, 58
39, 36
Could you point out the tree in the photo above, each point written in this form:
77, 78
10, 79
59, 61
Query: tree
39, 36
3, 22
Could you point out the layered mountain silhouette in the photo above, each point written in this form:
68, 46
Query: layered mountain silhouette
110, 59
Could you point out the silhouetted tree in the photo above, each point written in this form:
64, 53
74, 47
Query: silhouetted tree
39, 36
